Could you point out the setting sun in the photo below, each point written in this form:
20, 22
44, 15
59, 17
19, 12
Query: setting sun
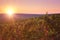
10, 11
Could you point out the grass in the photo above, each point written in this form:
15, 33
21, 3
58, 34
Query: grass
45, 27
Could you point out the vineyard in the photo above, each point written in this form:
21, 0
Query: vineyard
46, 27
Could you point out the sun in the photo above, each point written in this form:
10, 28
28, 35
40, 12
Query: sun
10, 11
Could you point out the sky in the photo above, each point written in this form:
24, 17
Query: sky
31, 6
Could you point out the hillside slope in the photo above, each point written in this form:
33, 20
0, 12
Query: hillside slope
46, 27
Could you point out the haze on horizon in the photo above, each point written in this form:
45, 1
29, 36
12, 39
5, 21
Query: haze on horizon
31, 6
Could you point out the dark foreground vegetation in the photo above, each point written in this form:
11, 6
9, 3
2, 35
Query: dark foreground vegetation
45, 27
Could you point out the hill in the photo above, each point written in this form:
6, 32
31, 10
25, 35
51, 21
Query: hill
46, 27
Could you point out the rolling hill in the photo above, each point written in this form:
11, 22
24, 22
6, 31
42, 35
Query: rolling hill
45, 27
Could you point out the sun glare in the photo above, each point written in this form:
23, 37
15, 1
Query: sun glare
10, 11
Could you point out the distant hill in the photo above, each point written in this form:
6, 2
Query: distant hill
4, 17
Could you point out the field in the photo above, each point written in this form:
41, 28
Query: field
45, 27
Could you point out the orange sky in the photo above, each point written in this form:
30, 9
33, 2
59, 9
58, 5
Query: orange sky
31, 6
